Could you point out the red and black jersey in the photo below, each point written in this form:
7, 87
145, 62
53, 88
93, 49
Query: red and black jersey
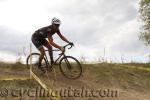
45, 32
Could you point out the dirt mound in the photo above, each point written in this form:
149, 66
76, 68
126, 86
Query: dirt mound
98, 82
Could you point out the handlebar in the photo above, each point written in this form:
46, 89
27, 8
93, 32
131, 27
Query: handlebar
63, 47
67, 45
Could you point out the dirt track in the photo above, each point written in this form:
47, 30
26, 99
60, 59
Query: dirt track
129, 86
128, 83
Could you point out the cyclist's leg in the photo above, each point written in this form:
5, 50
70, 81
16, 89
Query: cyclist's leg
49, 47
39, 46
42, 53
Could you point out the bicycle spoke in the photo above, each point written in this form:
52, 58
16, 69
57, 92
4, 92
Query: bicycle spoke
70, 67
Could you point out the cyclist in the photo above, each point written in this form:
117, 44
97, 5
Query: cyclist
39, 39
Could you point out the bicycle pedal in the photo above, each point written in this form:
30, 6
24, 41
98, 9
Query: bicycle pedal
50, 69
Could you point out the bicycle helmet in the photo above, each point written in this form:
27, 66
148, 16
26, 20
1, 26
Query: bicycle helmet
56, 21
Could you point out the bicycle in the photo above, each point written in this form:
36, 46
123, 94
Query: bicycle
67, 64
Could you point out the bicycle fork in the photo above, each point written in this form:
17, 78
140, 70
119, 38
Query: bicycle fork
67, 62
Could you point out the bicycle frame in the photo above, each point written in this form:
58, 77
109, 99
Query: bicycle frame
60, 55
62, 59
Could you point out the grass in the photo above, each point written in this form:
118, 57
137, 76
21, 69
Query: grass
118, 75
123, 76
21, 87
16, 85
13, 66
145, 65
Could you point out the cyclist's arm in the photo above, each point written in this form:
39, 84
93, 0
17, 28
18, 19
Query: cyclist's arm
50, 39
62, 37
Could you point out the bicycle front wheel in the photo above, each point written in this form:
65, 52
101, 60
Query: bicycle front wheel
70, 67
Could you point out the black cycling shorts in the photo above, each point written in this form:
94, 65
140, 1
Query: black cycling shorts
39, 42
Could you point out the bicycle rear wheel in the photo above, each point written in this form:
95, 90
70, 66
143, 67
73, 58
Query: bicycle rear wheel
70, 67
35, 60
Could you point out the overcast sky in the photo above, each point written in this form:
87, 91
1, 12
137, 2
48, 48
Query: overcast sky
93, 26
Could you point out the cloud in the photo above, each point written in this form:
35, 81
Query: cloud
12, 40
91, 25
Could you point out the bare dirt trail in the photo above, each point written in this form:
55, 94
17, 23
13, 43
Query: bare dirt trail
99, 80
129, 86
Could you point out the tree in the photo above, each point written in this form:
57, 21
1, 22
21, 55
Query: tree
145, 19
